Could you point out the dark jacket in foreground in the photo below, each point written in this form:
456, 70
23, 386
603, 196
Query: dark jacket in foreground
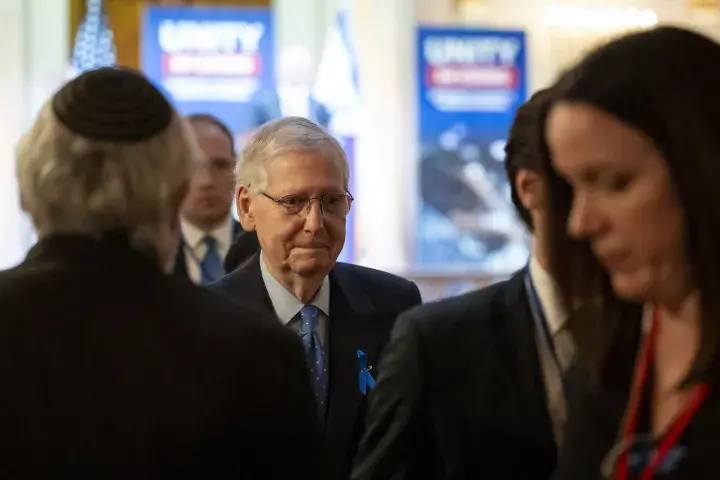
110, 369
461, 394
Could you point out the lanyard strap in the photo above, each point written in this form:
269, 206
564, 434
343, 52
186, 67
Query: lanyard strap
538, 314
678, 426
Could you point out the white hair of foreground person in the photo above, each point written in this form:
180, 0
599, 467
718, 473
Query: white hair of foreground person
286, 136
71, 184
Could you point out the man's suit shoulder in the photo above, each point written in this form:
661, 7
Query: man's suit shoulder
379, 282
475, 309
208, 316
373, 275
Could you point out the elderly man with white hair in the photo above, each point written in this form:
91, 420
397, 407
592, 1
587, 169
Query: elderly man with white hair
293, 191
110, 367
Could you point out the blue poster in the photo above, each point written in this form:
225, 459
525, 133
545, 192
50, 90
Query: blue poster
210, 59
470, 83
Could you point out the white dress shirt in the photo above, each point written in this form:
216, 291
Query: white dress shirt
287, 305
555, 316
194, 247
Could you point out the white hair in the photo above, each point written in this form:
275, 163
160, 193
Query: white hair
287, 135
71, 184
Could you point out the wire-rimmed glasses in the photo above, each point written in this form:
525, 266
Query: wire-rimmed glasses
333, 204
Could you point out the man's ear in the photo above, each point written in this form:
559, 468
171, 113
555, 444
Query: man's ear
245, 207
530, 189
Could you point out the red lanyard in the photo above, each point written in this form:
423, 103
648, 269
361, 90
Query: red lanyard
678, 426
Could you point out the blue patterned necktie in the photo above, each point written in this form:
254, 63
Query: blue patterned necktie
211, 268
315, 355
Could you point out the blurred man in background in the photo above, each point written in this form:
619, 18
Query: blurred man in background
110, 368
208, 228
292, 95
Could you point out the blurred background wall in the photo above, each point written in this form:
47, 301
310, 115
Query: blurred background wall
38, 35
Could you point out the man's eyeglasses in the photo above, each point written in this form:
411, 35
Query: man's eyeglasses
336, 204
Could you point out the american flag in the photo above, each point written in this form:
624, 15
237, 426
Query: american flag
94, 45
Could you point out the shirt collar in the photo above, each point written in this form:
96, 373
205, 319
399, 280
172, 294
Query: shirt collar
287, 305
549, 296
193, 236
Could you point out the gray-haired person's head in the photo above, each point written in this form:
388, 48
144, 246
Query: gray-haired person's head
293, 190
287, 135
108, 154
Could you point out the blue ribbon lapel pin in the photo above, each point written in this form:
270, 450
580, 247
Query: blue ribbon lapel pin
365, 379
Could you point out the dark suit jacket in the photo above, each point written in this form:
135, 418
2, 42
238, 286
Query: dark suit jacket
363, 306
180, 267
110, 369
266, 107
460, 394
246, 245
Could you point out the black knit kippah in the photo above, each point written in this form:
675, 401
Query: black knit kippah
112, 104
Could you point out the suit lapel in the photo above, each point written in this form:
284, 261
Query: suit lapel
352, 317
520, 353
